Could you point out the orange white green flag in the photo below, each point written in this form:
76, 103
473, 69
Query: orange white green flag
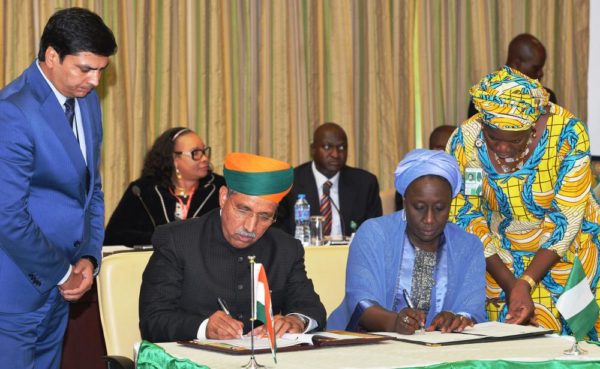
262, 309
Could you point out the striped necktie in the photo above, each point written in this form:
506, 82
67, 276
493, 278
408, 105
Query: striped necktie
326, 208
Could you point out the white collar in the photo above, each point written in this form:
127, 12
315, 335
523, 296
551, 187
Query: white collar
320, 178
60, 97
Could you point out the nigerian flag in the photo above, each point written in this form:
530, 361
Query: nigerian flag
577, 304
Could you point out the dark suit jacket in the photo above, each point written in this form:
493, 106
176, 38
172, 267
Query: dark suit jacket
358, 197
131, 225
193, 264
50, 213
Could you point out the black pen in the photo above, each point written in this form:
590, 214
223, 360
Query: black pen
223, 306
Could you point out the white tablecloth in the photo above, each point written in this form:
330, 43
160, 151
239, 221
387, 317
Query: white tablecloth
394, 354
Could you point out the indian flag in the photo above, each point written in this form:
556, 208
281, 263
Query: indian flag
261, 306
577, 304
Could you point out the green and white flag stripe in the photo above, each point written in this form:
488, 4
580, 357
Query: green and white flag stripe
577, 304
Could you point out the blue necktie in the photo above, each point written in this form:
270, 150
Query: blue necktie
70, 110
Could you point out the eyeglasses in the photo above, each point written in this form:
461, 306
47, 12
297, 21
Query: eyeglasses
195, 154
243, 213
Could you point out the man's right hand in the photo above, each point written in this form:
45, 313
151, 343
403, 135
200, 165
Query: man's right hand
222, 327
73, 282
79, 282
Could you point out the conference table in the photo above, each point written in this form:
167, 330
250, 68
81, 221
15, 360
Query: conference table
524, 353
326, 266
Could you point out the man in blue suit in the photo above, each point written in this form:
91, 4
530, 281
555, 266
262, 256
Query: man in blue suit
52, 205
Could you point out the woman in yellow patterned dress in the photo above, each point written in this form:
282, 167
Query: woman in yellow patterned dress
531, 204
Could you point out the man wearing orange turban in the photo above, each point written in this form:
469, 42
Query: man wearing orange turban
201, 260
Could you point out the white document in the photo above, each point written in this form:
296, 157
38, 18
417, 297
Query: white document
431, 338
308, 337
259, 343
479, 332
497, 329
287, 340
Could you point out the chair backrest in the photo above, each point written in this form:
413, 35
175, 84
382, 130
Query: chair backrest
388, 200
326, 266
119, 284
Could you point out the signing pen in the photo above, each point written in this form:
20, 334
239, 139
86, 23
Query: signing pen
223, 306
407, 299
409, 302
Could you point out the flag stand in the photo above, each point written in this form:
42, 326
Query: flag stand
578, 306
575, 350
252, 364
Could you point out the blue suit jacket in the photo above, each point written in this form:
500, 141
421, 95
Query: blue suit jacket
48, 218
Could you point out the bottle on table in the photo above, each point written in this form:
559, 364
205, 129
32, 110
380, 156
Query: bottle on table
302, 218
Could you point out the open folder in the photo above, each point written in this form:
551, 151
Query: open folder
289, 342
482, 332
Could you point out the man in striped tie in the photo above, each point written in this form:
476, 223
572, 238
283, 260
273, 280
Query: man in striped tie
343, 195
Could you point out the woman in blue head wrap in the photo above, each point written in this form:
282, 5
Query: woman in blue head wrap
412, 268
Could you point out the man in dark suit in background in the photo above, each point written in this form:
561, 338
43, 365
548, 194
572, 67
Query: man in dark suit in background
52, 208
352, 193
198, 261
526, 54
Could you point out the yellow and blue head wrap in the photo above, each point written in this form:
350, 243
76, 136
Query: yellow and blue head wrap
509, 100
260, 176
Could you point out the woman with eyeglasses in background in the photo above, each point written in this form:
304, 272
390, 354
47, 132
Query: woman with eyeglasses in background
176, 183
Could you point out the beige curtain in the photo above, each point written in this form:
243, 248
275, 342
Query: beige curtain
260, 75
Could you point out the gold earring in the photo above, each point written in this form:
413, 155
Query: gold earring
177, 173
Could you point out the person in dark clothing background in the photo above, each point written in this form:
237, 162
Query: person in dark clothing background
527, 55
176, 183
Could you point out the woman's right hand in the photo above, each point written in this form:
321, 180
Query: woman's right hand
520, 305
409, 320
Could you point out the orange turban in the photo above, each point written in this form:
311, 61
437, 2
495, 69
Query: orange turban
260, 176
